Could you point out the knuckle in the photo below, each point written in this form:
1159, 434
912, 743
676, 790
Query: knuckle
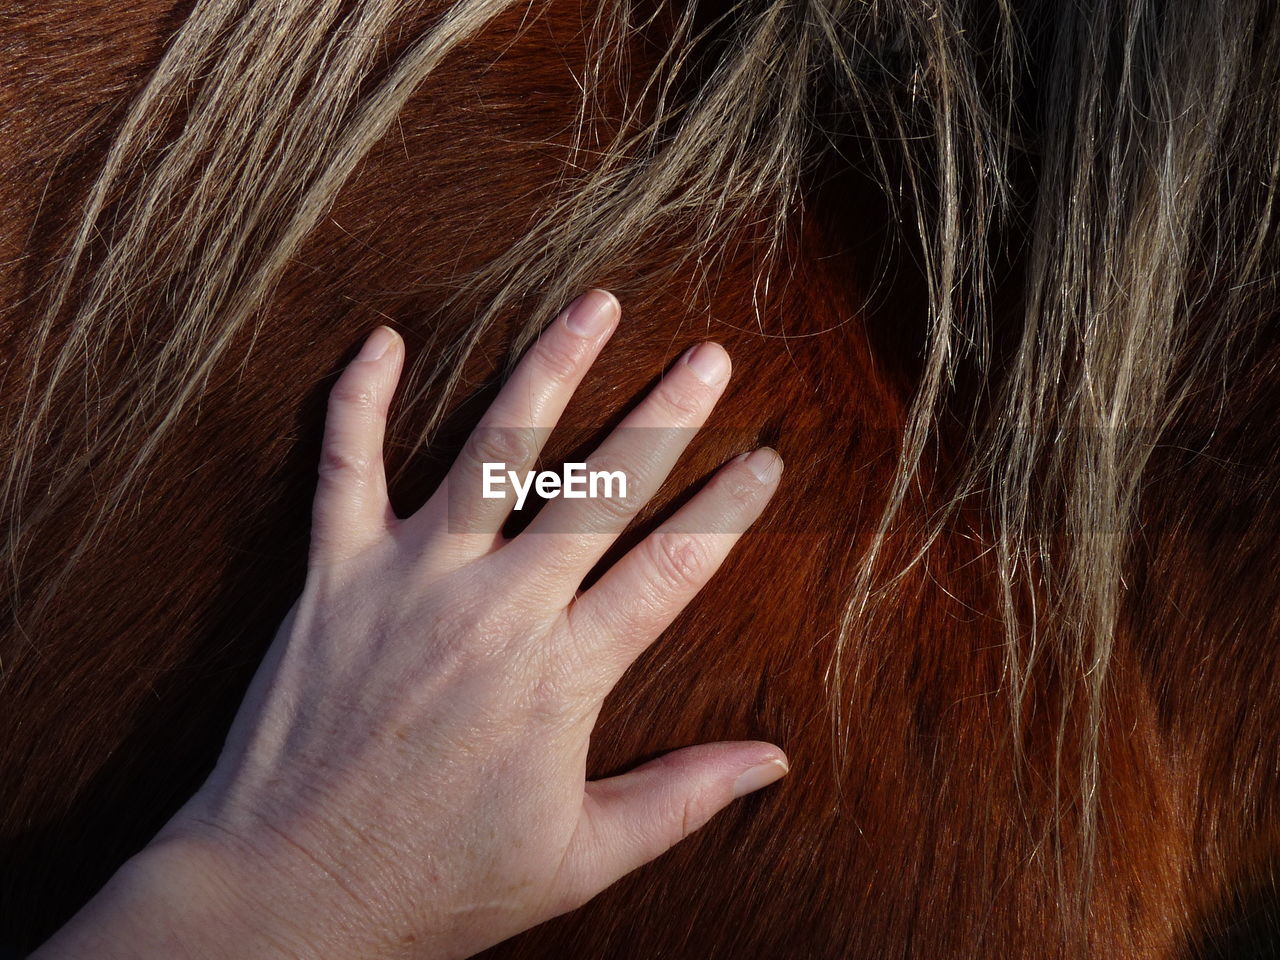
556, 358
691, 816
618, 508
554, 691
689, 812
739, 486
483, 623
491, 613
613, 504
679, 403
353, 394
501, 445
678, 560
338, 462
475, 633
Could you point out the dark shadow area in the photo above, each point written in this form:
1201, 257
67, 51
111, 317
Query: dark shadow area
175, 735
1247, 927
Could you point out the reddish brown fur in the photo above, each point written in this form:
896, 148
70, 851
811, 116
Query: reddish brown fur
114, 711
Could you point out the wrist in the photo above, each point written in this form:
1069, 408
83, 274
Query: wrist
179, 899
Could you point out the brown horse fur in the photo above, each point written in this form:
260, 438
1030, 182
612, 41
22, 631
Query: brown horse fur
933, 828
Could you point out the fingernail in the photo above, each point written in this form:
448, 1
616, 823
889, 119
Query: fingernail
592, 313
709, 363
378, 343
759, 776
764, 463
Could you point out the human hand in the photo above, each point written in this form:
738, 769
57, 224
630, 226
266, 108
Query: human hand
407, 775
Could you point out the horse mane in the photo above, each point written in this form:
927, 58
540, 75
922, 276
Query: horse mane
1020, 258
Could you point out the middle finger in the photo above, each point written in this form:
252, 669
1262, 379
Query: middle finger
569, 536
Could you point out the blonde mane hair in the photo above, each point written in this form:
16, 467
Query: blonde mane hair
1116, 162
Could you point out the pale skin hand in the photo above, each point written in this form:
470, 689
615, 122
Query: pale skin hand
407, 775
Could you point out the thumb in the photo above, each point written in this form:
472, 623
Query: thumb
629, 819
